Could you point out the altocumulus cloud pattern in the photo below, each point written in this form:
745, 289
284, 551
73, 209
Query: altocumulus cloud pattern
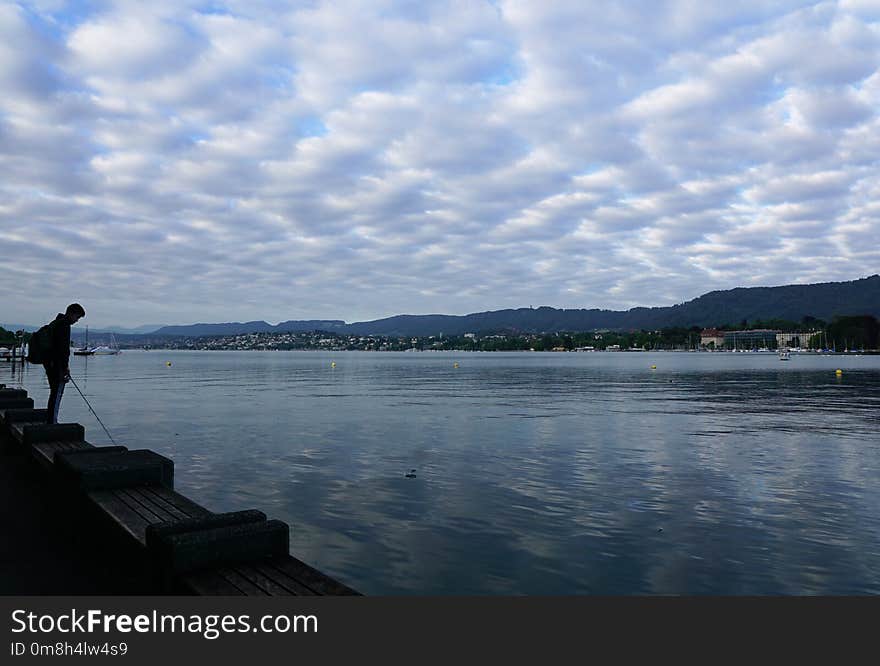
178, 161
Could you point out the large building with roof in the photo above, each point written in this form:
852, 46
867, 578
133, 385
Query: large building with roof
712, 337
796, 339
756, 338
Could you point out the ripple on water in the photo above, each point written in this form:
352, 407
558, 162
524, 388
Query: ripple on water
536, 474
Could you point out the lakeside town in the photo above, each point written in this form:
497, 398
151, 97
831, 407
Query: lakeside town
662, 340
853, 334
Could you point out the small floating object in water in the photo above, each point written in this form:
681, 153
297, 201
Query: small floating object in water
455, 365
333, 364
838, 372
659, 529
411, 475
653, 367
168, 363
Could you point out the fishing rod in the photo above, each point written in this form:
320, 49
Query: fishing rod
93, 412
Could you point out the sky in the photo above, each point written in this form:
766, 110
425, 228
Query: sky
176, 161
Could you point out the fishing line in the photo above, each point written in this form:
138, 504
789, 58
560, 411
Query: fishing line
93, 412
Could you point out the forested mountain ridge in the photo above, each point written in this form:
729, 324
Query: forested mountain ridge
790, 302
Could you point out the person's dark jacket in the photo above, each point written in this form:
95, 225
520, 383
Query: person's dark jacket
59, 357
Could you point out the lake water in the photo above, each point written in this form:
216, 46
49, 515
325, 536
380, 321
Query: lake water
535, 473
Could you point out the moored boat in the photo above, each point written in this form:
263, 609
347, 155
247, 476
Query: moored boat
85, 350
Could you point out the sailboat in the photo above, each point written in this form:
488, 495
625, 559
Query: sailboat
105, 350
85, 350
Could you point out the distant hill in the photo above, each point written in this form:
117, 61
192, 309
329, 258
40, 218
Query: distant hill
791, 302
238, 328
146, 328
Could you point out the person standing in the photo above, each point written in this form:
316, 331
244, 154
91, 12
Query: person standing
57, 365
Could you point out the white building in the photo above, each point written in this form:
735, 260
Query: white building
796, 339
712, 336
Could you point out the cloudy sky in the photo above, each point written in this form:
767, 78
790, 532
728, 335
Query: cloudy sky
180, 161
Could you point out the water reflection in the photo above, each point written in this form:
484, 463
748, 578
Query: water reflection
536, 474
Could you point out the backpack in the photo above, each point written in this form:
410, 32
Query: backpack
40, 345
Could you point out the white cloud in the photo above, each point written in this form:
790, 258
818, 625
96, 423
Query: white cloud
360, 159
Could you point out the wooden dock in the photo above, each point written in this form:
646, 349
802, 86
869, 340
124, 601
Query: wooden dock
126, 499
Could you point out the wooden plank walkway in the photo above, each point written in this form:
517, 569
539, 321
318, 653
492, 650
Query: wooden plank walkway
274, 577
188, 548
44, 452
134, 509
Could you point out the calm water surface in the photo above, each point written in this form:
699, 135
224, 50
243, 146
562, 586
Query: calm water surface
535, 473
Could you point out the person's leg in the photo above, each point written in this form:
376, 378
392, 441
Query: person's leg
54, 397
61, 383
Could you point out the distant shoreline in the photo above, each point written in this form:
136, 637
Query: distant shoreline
867, 352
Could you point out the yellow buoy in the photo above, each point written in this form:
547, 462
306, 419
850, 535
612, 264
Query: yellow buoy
455, 365
168, 364
333, 364
838, 372
653, 367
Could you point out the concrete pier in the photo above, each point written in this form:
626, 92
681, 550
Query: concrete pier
80, 519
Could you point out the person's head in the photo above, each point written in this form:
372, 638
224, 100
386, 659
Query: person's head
75, 312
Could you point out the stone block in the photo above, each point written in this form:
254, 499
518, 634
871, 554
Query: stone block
7, 393
106, 468
166, 529
183, 552
11, 416
16, 403
95, 450
53, 432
